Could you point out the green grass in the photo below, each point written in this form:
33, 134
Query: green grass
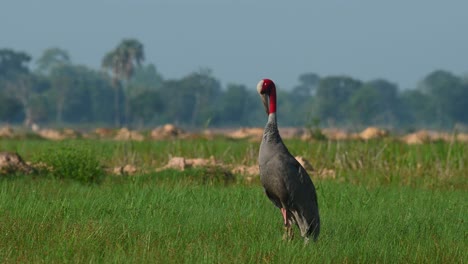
390, 203
151, 218
437, 165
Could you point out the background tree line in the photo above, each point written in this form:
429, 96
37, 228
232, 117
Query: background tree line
126, 92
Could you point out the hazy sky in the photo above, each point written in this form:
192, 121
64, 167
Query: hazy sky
243, 41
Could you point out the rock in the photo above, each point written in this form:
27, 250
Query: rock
103, 132
208, 134
125, 170
372, 133
335, 134
249, 173
35, 127
246, 170
177, 163
167, 131
181, 163
125, 134
129, 169
70, 133
11, 163
6, 132
419, 137
198, 162
51, 134
462, 137
423, 136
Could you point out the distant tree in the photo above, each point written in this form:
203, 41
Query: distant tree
332, 99
145, 78
462, 113
122, 62
234, 106
52, 58
375, 103
417, 109
464, 78
41, 108
78, 107
100, 89
13, 63
62, 77
77, 94
87, 99
191, 100
144, 88
308, 83
449, 97
291, 108
205, 90
146, 107
10, 108
297, 103
17, 81
22, 88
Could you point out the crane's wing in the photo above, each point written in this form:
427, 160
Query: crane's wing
273, 199
302, 197
300, 188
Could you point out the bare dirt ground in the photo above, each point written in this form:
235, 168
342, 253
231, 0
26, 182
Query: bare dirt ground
254, 134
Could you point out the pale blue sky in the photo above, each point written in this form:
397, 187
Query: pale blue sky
243, 41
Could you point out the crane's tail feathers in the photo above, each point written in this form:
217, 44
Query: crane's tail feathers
307, 226
314, 229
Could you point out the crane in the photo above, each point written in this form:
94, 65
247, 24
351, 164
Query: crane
285, 181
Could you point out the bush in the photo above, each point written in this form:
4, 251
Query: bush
315, 131
74, 162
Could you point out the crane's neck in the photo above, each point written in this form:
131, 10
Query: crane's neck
272, 118
271, 133
272, 109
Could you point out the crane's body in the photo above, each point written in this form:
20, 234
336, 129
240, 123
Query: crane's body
285, 181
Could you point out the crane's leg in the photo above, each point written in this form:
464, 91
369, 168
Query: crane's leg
288, 231
285, 216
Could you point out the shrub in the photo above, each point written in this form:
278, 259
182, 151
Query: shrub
74, 162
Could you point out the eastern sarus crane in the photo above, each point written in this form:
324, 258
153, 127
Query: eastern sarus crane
285, 181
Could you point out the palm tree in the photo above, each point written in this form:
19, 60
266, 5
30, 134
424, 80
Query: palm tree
122, 62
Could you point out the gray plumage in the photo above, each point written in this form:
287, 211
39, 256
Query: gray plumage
286, 182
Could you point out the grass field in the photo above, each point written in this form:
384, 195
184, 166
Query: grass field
389, 203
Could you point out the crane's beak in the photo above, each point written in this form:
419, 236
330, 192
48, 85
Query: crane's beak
265, 102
